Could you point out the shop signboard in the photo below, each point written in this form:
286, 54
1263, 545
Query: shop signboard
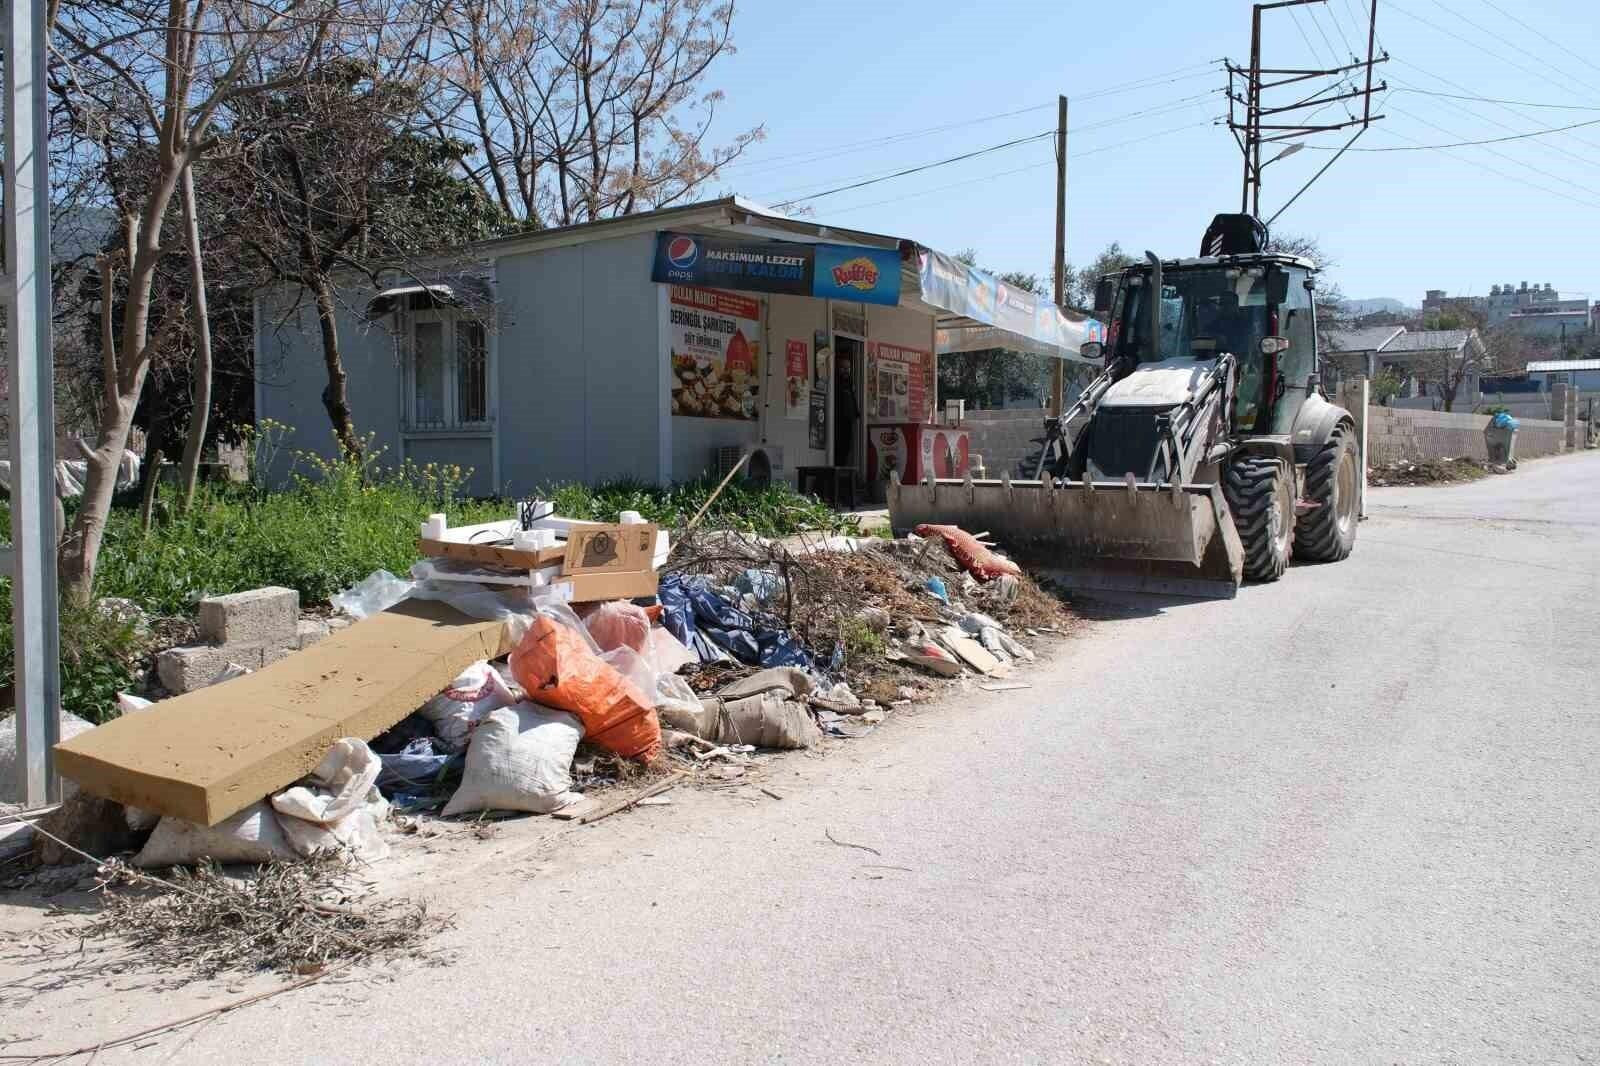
796, 379
898, 386
714, 349
852, 272
826, 271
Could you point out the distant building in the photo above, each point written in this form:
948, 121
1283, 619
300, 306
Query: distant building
1530, 310
1416, 358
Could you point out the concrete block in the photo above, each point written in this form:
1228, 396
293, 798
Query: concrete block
310, 631
258, 616
196, 666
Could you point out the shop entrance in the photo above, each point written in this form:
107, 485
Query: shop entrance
849, 357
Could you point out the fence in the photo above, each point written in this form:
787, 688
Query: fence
1399, 433
1007, 439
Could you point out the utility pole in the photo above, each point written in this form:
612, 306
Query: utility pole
1057, 383
1282, 124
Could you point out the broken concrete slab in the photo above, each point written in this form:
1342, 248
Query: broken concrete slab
196, 666
206, 755
258, 616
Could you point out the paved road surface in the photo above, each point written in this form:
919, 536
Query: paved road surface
1350, 817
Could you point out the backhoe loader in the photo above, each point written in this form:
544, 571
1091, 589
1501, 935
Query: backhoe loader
1204, 454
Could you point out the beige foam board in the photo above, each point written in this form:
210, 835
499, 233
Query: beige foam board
206, 755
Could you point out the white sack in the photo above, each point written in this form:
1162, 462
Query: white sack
251, 836
520, 759
479, 690
341, 807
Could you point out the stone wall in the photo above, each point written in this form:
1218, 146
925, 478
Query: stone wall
1006, 439
1394, 434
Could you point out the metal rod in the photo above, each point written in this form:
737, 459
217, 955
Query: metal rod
1317, 175
1372, 36
34, 530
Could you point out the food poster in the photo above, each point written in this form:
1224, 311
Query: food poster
714, 341
796, 380
897, 382
821, 367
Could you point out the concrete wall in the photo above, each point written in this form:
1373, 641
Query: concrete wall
1006, 439
1394, 434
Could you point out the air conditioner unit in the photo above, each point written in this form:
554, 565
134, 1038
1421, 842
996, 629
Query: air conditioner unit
764, 465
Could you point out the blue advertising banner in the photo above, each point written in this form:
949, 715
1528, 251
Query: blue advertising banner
851, 272
826, 271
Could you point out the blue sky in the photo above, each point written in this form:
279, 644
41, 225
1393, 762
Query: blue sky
826, 75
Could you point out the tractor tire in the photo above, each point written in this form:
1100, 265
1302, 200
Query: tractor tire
1333, 482
1260, 494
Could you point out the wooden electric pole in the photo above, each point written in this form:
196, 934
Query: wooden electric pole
1056, 367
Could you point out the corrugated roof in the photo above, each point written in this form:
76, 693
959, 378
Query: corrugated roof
1366, 339
1427, 340
1562, 366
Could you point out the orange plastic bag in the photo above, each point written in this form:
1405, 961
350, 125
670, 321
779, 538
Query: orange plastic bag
976, 559
556, 666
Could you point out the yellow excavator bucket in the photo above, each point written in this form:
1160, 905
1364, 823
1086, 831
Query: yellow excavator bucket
1176, 540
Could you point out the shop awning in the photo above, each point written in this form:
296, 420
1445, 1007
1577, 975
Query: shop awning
979, 312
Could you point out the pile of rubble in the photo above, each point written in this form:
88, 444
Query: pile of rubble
546, 670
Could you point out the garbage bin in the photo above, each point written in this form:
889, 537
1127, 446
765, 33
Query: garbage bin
1500, 439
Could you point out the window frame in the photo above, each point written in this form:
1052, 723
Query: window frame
451, 321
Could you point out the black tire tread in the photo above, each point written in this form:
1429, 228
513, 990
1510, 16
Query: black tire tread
1250, 486
1316, 534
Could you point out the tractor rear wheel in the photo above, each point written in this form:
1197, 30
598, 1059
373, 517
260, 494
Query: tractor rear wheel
1333, 482
1260, 494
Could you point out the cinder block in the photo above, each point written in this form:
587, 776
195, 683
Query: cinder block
257, 616
310, 631
196, 666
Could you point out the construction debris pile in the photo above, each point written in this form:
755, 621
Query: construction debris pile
526, 660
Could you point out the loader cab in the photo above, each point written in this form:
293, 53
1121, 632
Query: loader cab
1256, 307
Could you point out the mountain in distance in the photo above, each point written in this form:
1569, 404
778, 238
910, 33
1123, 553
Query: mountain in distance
1374, 305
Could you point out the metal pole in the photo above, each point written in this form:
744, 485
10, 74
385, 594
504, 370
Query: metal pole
1372, 37
34, 607
1057, 382
1252, 160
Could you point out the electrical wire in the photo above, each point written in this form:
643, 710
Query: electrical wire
1467, 144
1504, 107
1507, 40
1515, 161
1019, 170
1311, 13
1542, 36
1404, 86
1158, 109
918, 169
1494, 100
1521, 180
1473, 44
1151, 81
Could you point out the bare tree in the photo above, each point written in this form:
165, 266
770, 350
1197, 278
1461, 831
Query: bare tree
582, 109
155, 73
1448, 369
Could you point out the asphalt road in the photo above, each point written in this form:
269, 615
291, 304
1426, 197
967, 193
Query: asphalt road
1350, 817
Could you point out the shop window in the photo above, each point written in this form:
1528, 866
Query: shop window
448, 372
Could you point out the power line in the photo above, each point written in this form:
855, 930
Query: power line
1473, 44
1504, 107
1157, 109
1493, 100
1311, 13
1519, 179
1586, 161
1466, 144
1511, 43
918, 169
1542, 36
1151, 81
1510, 159
1295, 18
1018, 170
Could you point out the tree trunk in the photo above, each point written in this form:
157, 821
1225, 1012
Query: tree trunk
200, 414
147, 489
336, 396
80, 549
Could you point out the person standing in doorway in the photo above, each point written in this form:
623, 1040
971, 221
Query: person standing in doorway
846, 410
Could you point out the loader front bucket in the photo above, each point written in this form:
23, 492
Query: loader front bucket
1103, 535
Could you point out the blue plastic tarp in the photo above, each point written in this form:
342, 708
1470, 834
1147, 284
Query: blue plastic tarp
709, 625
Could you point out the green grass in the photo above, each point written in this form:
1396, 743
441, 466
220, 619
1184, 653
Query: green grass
771, 512
336, 524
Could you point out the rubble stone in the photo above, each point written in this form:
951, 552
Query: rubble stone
197, 665
310, 631
96, 825
259, 616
